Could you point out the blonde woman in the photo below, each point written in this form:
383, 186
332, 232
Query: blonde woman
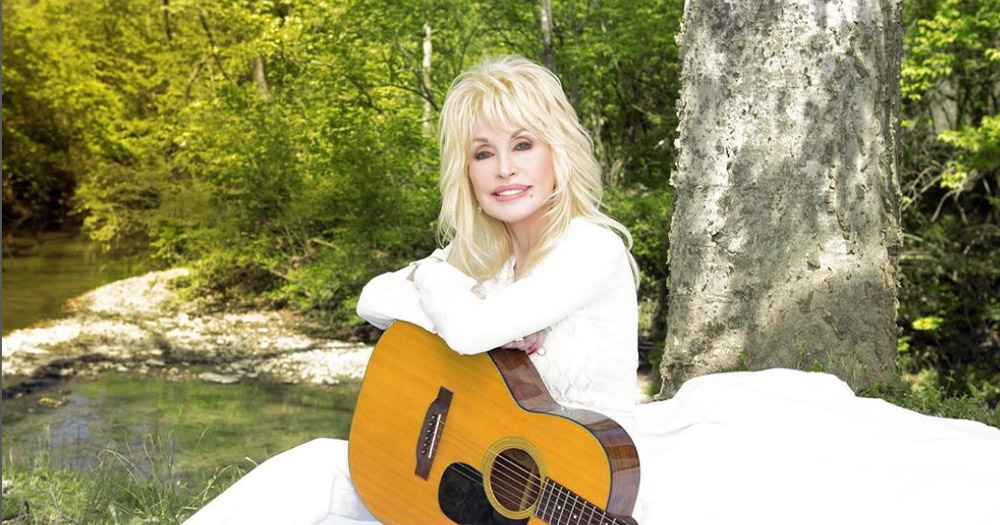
532, 263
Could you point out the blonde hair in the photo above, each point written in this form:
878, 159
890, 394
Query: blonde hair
514, 91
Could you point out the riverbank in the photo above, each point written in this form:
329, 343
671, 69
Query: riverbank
141, 325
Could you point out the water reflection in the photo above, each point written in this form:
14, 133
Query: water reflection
207, 426
41, 273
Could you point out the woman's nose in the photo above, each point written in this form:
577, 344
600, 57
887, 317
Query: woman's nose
505, 166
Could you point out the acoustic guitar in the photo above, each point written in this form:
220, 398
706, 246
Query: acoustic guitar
439, 437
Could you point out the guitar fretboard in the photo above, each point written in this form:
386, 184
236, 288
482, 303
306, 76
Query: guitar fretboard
561, 506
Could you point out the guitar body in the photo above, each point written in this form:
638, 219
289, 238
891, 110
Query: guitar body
440, 437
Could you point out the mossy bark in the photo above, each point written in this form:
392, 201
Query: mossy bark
785, 234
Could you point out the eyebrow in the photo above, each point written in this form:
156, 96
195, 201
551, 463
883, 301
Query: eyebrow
516, 132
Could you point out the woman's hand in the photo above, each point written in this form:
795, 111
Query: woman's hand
529, 343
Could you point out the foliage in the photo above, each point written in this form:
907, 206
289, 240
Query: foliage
950, 172
281, 150
925, 393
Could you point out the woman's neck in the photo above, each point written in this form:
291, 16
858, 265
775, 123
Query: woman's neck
524, 236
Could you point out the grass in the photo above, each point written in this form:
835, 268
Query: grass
124, 486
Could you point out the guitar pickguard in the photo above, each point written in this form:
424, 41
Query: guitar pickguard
463, 499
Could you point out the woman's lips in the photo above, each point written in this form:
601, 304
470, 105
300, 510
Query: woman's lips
511, 192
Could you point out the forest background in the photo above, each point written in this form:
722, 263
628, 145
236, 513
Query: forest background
286, 150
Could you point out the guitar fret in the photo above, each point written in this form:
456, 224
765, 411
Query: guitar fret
560, 505
557, 505
544, 501
593, 510
572, 511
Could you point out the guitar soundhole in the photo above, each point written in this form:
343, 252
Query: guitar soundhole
514, 480
462, 498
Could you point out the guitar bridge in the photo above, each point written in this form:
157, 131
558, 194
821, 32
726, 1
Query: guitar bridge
431, 430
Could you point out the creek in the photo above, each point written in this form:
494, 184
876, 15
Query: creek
160, 413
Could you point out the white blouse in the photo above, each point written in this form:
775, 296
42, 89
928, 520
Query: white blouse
583, 292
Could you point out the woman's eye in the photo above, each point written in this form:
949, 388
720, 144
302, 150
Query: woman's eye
522, 146
480, 155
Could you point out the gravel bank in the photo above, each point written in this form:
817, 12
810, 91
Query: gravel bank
140, 324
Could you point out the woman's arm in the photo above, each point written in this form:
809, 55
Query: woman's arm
393, 296
587, 260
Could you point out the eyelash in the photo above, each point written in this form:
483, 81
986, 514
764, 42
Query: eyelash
481, 155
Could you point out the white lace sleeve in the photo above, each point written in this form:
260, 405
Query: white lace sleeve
581, 267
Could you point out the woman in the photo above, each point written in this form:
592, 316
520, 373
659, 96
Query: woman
532, 263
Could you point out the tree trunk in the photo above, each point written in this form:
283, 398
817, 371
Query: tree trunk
785, 233
547, 59
166, 20
260, 78
426, 80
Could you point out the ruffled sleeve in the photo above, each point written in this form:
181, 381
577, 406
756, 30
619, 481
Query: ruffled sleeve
578, 270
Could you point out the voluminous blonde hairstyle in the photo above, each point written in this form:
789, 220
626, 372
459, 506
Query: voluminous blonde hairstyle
512, 91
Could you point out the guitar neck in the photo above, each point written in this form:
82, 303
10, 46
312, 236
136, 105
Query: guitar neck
558, 505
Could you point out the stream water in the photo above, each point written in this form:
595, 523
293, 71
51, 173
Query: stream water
41, 273
195, 426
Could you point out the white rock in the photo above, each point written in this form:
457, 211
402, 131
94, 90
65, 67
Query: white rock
212, 377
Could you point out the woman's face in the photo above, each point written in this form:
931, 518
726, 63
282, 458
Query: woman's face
512, 175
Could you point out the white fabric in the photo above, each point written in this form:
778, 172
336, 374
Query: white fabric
772, 447
307, 485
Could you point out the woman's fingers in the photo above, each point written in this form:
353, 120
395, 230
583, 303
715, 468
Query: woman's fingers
529, 343
539, 339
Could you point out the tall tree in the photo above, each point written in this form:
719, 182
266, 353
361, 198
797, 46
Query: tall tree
785, 235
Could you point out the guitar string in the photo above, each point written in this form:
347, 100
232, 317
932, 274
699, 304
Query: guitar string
477, 449
539, 490
526, 477
473, 475
534, 483
462, 441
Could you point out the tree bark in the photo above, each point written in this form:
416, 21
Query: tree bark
785, 233
547, 58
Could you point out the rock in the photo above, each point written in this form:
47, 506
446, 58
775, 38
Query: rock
121, 368
7, 485
212, 377
155, 363
50, 402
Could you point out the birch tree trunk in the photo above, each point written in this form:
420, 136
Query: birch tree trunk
425, 78
547, 55
260, 78
785, 233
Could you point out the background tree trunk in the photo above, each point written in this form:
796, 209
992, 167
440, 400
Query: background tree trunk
260, 78
425, 80
785, 234
547, 55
